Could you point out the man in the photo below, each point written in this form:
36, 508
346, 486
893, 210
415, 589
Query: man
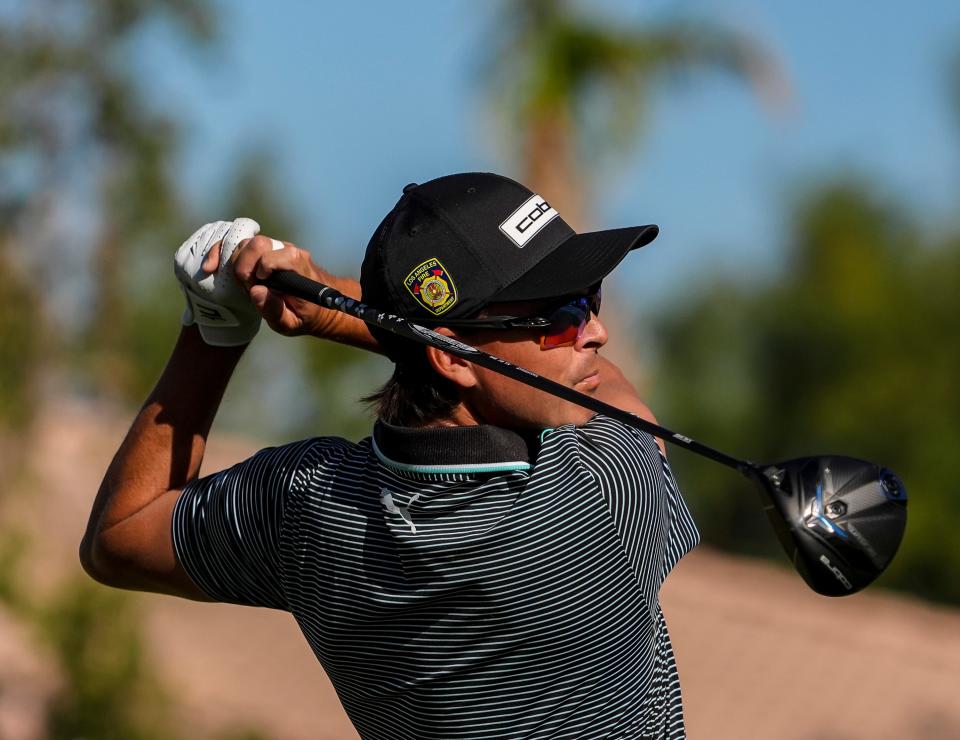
488, 562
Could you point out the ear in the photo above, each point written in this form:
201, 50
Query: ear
455, 369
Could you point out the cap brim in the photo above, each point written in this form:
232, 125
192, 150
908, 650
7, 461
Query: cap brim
577, 263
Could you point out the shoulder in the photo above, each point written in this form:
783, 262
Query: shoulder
316, 454
604, 441
285, 467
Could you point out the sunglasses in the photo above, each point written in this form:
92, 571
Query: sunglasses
562, 327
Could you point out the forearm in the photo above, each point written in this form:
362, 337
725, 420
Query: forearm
165, 445
342, 327
616, 390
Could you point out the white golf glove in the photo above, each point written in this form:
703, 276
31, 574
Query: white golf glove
217, 303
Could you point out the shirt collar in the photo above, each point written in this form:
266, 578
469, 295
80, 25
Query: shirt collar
464, 449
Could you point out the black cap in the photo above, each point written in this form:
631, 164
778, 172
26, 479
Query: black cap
452, 245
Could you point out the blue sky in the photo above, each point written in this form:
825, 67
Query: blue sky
357, 99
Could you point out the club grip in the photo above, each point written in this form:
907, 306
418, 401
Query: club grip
295, 284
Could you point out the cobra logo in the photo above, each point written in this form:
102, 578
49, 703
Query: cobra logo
836, 572
525, 222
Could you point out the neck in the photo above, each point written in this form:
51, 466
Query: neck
461, 416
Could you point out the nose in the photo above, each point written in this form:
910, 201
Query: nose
594, 334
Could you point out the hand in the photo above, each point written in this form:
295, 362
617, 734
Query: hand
216, 302
255, 259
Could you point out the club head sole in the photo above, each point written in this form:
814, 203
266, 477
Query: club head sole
839, 519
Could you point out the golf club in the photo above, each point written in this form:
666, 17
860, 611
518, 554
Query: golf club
839, 519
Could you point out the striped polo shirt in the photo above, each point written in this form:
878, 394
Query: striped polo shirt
461, 582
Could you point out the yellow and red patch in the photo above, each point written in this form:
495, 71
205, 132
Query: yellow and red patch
432, 286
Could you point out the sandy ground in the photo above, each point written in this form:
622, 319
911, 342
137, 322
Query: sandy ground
760, 656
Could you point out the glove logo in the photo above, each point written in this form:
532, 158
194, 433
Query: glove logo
210, 314
432, 287
216, 302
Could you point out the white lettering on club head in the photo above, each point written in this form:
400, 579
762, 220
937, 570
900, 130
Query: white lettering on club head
525, 222
838, 574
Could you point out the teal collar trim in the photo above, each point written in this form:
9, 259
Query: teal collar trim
498, 467
466, 449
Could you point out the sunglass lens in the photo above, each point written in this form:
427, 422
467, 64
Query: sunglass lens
566, 323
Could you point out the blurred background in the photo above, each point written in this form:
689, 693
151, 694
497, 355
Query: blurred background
802, 160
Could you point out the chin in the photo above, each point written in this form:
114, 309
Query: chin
578, 417
550, 419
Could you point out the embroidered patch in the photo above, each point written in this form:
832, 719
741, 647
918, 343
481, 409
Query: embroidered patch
432, 286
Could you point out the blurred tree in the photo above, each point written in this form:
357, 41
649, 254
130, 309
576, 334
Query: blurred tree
78, 134
21, 327
314, 386
579, 89
14, 544
254, 188
853, 349
87, 179
95, 638
953, 84
108, 690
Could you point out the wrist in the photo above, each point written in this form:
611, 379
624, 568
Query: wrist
221, 325
192, 342
339, 327
196, 370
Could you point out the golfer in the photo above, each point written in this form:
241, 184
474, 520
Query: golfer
487, 563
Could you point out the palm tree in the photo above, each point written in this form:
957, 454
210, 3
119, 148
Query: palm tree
576, 86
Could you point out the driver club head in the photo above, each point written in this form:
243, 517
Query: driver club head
840, 519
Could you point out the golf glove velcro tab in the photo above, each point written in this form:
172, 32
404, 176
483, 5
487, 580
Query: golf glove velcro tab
216, 302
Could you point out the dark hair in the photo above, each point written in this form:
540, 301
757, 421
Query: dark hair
414, 395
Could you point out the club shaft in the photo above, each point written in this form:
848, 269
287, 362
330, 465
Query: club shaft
297, 285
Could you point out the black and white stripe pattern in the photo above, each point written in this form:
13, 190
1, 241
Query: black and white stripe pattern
517, 604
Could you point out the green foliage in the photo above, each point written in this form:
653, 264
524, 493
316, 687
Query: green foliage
340, 377
95, 634
953, 85
21, 324
256, 192
329, 378
76, 125
852, 350
14, 544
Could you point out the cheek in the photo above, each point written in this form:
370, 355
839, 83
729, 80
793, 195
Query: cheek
555, 364
551, 364
510, 403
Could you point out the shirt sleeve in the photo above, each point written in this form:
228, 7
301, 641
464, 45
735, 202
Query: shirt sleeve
229, 528
646, 505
